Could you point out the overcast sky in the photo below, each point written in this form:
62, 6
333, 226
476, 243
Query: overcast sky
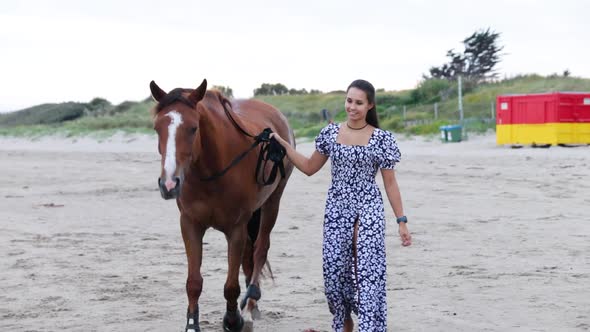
62, 50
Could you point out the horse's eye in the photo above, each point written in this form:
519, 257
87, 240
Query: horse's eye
193, 130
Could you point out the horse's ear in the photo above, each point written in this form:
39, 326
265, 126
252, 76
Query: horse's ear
199, 92
157, 93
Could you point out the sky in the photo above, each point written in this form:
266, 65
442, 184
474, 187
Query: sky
71, 50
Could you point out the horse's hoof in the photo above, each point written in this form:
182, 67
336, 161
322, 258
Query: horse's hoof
250, 314
253, 292
248, 327
256, 313
236, 326
252, 310
192, 321
248, 322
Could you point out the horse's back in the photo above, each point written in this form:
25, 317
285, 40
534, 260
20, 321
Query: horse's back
263, 115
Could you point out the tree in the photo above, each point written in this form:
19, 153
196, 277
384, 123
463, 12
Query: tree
477, 62
294, 92
267, 89
271, 89
98, 106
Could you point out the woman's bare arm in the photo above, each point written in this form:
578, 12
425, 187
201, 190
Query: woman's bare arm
308, 166
395, 199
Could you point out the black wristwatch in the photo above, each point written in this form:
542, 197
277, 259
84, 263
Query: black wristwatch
402, 219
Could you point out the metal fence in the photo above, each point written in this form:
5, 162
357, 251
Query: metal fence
413, 115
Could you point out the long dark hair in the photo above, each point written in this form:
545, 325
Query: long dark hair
369, 90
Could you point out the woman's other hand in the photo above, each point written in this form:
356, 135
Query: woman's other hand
404, 234
278, 138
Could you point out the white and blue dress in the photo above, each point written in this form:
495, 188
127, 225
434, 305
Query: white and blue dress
354, 195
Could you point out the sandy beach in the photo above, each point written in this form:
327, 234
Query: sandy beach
501, 241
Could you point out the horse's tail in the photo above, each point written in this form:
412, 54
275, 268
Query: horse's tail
266, 269
254, 225
253, 229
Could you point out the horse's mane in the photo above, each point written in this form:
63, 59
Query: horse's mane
172, 97
218, 95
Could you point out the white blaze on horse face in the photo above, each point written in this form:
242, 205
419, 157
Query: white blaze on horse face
170, 161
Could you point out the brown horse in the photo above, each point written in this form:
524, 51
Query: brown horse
200, 134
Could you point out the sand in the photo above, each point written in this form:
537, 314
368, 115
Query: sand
501, 241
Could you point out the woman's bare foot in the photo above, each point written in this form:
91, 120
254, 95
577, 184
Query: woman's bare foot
348, 324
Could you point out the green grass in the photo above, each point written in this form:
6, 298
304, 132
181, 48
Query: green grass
527, 84
303, 111
134, 119
44, 114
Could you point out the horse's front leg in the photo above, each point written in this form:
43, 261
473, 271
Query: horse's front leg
192, 234
236, 240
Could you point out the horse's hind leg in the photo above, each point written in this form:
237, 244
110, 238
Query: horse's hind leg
248, 256
270, 210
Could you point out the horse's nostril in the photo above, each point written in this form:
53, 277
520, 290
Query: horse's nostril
170, 185
169, 188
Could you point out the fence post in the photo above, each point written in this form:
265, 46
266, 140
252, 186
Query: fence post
435, 111
461, 120
493, 109
460, 97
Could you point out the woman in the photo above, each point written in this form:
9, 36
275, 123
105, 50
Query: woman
354, 226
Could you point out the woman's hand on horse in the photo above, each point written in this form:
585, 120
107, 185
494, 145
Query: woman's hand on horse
404, 234
278, 138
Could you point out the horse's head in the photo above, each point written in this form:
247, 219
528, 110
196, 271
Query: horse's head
176, 120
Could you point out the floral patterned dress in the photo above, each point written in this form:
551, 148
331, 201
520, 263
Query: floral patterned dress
354, 195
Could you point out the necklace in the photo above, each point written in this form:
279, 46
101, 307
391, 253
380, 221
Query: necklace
363, 127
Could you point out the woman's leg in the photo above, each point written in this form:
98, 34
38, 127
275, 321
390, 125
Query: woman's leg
370, 266
348, 322
337, 254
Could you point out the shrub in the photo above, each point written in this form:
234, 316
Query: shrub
44, 114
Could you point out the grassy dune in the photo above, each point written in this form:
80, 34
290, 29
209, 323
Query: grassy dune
303, 111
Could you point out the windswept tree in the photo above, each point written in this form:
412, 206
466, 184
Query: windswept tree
478, 60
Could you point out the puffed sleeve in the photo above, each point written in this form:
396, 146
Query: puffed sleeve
388, 153
323, 142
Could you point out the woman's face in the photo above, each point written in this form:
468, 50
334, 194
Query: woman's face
356, 104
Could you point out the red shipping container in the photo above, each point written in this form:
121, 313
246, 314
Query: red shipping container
544, 118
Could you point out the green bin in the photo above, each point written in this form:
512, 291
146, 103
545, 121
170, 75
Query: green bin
453, 133
443, 133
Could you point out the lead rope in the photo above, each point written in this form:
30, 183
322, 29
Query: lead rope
269, 150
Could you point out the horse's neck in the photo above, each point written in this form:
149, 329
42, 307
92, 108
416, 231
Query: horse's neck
219, 142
